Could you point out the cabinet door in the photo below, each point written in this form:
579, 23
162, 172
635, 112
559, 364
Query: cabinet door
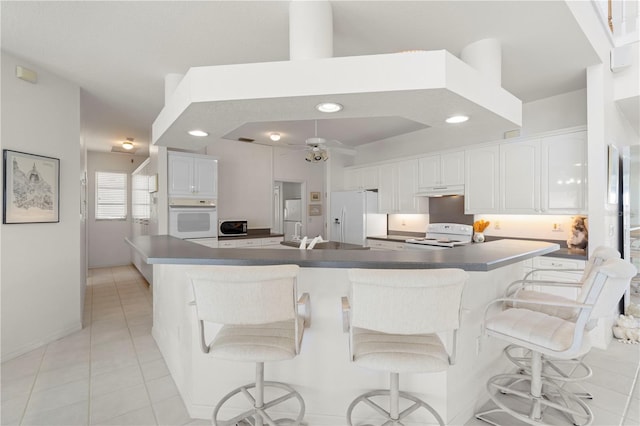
564, 172
206, 177
482, 180
407, 172
387, 188
452, 168
226, 244
180, 175
520, 177
429, 171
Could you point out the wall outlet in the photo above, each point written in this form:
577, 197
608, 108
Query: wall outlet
557, 227
496, 224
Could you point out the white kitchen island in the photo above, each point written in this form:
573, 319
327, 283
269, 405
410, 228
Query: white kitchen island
322, 372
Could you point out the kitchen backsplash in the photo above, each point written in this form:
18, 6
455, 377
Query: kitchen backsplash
407, 222
551, 227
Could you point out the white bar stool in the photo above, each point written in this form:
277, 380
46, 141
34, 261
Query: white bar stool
570, 371
392, 318
261, 323
554, 337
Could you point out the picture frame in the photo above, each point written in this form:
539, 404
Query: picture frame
314, 196
30, 188
315, 209
613, 174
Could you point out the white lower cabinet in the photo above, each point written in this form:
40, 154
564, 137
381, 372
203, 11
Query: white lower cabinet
555, 272
385, 245
250, 242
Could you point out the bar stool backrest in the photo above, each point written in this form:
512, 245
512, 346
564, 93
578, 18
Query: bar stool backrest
599, 255
245, 294
406, 301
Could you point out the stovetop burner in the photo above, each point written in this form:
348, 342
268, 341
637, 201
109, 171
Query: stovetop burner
444, 235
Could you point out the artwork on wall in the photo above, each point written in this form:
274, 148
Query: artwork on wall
613, 175
315, 196
315, 209
31, 188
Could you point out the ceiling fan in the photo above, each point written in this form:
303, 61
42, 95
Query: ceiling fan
317, 146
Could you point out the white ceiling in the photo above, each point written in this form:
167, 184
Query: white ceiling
119, 52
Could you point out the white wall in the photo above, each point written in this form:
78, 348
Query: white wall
106, 237
245, 180
41, 288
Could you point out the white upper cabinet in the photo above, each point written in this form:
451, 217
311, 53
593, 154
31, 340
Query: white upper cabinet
192, 175
520, 177
545, 175
564, 173
397, 187
441, 171
482, 180
361, 178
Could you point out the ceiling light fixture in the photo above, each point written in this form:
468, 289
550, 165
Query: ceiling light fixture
329, 107
199, 133
456, 119
128, 144
274, 136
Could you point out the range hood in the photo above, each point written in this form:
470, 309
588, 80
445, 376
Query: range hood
423, 86
440, 191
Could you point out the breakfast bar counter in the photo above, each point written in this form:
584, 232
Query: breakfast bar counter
322, 372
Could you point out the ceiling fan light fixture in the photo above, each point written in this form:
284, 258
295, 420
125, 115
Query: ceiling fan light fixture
329, 107
275, 136
456, 119
128, 144
198, 133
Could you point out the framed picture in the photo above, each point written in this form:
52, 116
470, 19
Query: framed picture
315, 196
613, 175
315, 209
31, 188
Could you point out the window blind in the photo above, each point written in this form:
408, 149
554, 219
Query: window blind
111, 195
141, 199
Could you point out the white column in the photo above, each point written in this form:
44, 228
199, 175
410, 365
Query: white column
310, 29
171, 81
485, 56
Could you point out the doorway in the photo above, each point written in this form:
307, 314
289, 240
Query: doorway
288, 209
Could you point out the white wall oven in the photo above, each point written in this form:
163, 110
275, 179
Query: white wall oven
193, 218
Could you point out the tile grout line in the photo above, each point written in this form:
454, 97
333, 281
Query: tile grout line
33, 384
144, 381
630, 396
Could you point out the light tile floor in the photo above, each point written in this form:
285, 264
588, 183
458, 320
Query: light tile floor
112, 373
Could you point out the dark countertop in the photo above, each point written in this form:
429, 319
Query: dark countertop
327, 245
164, 249
250, 236
563, 252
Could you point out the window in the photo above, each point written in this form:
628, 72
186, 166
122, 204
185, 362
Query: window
140, 198
111, 195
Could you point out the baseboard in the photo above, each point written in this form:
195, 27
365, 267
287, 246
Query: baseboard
6, 356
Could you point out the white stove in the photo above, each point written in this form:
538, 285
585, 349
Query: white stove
442, 235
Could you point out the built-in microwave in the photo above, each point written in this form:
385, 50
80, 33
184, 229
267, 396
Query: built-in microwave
192, 218
231, 228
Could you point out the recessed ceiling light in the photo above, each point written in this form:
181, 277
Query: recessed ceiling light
199, 133
328, 107
274, 136
128, 144
455, 119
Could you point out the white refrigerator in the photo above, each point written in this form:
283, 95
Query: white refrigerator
354, 216
292, 216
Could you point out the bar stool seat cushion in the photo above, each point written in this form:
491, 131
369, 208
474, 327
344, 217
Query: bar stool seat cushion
551, 334
256, 342
531, 296
399, 353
